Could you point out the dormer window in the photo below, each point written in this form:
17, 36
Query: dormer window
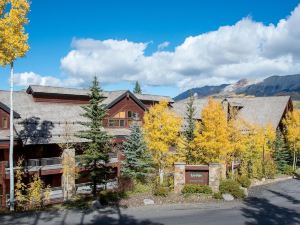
4, 123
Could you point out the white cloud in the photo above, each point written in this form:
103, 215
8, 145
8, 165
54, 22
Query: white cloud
30, 78
163, 45
247, 49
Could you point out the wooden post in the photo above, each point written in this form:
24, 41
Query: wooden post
2, 178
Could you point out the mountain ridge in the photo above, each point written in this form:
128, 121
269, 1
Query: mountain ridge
271, 86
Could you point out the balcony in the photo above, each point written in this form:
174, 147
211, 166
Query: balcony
32, 165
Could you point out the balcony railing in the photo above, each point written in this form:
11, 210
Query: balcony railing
53, 162
43, 162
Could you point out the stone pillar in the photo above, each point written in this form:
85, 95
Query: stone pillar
179, 176
68, 173
214, 176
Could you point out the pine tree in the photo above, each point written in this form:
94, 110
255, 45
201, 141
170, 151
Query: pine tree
137, 161
189, 132
281, 153
95, 156
137, 88
190, 114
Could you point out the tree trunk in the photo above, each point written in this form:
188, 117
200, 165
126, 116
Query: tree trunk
232, 168
161, 176
294, 161
11, 140
94, 183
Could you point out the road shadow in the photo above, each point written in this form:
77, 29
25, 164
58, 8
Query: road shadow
103, 216
287, 197
259, 211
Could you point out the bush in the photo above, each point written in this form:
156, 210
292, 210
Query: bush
270, 169
142, 187
217, 195
231, 187
196, 188
288, 170
161, 191
244, 181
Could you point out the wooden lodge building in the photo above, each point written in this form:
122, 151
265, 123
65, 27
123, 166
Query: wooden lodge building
46, 117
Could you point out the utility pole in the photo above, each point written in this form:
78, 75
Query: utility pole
11, 142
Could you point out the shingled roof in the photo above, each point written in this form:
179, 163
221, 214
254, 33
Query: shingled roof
110, 95
43, 123
261, 110
254, 110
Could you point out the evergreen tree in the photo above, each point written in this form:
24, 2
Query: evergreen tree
190, 114
281, 153
137, 161
189, 129
137, 88
95, 155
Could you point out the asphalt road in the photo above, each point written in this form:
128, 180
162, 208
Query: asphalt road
277, 204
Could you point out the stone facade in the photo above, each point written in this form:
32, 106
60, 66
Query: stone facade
215, 173
179, 177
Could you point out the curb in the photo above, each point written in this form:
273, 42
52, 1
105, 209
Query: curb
271, 181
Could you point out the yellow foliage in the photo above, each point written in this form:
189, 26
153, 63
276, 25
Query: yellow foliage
211, 141
292, 132
161, 128
258, 150
35, 192
20, 187
13, 40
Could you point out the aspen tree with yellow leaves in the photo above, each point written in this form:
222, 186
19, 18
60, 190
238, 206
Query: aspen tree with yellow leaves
292, 133
257, 161
161, 129
13, 44
212, 135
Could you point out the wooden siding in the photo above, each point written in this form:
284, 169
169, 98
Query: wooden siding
124, 105
61, 98
4, 114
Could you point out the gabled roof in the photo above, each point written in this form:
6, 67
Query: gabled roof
123, 95
261, 110
41, 122
7, 110
255, 110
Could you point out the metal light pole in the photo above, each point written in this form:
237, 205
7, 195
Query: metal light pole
11, 141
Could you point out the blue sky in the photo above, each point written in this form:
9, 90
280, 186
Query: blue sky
68, 41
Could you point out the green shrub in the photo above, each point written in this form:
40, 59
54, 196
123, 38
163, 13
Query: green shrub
196, 188
270, 169
288, 170
142, 188
161, 191
217, 195
231, 187
244, 181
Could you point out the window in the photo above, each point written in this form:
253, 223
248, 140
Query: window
120, 115
116, 123
122, 123
132, 115
4, 123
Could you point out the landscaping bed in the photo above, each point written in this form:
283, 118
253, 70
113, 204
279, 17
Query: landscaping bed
136, 200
